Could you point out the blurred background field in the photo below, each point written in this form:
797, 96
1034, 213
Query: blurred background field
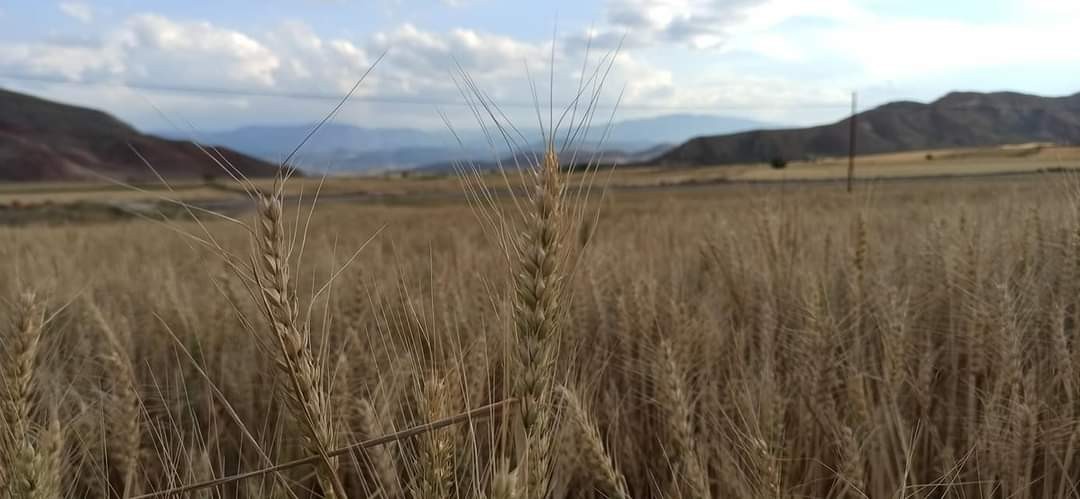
34, 199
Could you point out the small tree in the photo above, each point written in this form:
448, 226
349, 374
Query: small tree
778, 163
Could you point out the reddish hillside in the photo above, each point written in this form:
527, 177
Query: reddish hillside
44, 140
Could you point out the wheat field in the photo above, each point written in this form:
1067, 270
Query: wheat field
910, 340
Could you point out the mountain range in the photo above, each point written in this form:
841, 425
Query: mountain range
959, 119
342, 148
43, 140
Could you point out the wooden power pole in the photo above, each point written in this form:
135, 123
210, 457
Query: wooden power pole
851, 142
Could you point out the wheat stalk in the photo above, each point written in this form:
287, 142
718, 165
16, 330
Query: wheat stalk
488, 411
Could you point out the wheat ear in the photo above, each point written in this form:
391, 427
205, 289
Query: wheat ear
673, 398
852, 469
538, 283
28, 467
52, 455
504, 483
306, 398
124, 432
436, 473
18, 370
382, 463
596, 459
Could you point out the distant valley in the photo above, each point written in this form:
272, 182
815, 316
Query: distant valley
342, 148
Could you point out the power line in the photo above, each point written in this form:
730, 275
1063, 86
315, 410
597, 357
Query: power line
419, 101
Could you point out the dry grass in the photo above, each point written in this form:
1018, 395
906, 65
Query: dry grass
913, 340
1019, 158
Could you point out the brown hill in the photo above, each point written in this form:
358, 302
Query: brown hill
43, 140
960, 119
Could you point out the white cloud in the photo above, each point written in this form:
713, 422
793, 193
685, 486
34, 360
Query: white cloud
697, 23
867, 48
77, 10
917, 48
420, 66
1042, 8
770, 14
151, 48
715, 25
194, 52
69, 61
480, 53
761, 58
311, 63
294, 59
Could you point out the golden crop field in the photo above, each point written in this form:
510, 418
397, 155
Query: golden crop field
913, 339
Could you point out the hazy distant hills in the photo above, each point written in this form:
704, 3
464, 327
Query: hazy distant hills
959, 119
275, 142
44, 140
346, 148
576, 157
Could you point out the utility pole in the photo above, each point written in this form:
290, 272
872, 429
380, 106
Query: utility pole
851, 141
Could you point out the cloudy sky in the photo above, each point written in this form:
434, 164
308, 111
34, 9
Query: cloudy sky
219, 64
